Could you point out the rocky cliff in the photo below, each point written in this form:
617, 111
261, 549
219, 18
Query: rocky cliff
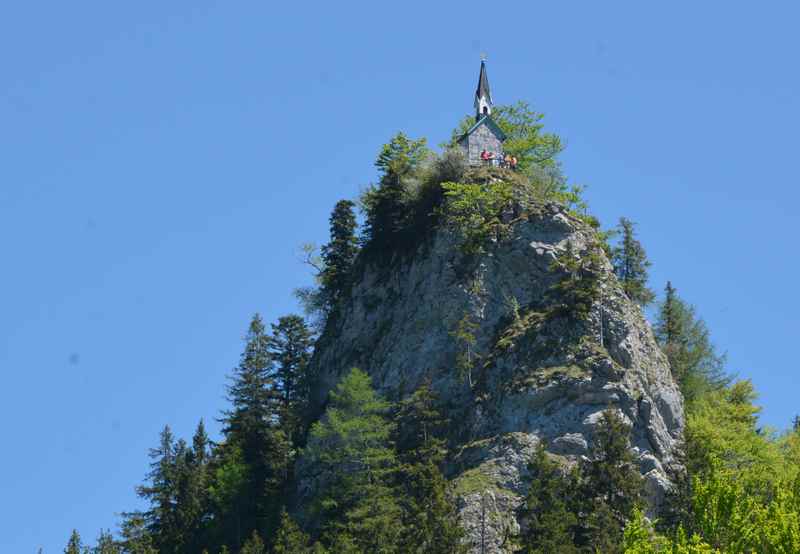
532, 373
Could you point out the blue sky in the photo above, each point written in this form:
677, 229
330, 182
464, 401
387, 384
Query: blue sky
162, 161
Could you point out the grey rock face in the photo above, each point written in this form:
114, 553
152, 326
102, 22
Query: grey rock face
534, 379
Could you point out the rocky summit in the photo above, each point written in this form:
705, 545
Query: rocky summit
490, 332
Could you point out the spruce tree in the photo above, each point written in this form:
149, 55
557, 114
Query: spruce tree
252, 426
686, 341
192, 503
290, 539
340, 253
579, 287
106, 544
253, 545
550, 507
350, 451
431, 523
75, 546
160, 491
136, 538
386, 205
290, 350
631, 264
612, 486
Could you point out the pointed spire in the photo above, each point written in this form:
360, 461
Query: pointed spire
483, 95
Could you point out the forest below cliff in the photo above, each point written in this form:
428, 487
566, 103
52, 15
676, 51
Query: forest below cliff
380, 464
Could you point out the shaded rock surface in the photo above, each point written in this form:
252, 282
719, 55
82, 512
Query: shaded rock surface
536, 377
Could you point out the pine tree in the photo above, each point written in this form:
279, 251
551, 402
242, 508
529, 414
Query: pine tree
431, 523
160, 491
385, 205
612, 487
686, 341
579, 287
192, 503
253, 545
340, 253
290, 350
290, 539
252, 426
631, 264
106, 544
351, 452
550, 507
75, 546
229, 480
136, 538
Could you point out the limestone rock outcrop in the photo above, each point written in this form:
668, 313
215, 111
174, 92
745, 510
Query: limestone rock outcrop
535, 378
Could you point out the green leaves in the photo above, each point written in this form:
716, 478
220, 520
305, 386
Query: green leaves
579, 287
685, 339
401, 156
475, 211
631, 264
350, 450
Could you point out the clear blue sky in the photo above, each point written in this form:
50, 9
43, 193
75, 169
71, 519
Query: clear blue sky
162, 161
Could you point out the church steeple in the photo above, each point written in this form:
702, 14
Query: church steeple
483, 95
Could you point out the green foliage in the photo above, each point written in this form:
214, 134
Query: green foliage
74, 545
579, 287
550, 508
161, 490
229, 482
290, 350
290, 539
525, 138
685, 339
106, 544
475, 212
253, 545
631, 264
467, 356
401, 156
722, 427
536, 152
612, 486
387, 205
340, 253
640, 538
136, 539
350, 450
743, 494
430, 519
254, 427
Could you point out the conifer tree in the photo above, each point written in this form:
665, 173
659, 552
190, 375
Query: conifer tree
351, 452
385, 205
550, 507
612, 485
136, 538
253, 545
579, 288
340, 253
160, 490
431, 523
252, 426
192, 502
229, 479
686, 341
106, 544
290, 539
290, 350
75, 546
631, 264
